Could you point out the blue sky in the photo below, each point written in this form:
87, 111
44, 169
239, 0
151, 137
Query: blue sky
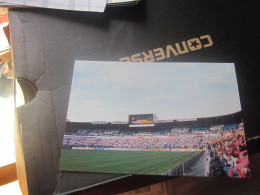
110, 91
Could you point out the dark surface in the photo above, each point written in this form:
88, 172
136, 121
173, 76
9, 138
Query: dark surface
47, 42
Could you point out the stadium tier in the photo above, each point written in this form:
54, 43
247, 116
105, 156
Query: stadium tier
176, 134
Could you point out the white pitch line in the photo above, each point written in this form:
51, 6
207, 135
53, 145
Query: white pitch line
158, 166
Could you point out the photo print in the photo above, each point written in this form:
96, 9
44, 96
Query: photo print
169, 119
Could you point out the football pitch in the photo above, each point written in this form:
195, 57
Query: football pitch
125, 162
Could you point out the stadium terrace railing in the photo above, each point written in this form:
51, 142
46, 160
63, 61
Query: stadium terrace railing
185, 166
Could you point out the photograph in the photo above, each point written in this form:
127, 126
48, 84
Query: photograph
161, 118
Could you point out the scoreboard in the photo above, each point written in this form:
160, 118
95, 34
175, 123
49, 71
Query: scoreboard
142, 120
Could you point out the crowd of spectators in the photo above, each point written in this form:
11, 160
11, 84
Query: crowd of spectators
228, 154
176, 137
180, 131
140, 142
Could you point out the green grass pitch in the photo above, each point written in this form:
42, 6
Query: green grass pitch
125, 162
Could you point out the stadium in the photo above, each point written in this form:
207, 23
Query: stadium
209, 146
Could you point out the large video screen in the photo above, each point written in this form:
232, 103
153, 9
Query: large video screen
141, 119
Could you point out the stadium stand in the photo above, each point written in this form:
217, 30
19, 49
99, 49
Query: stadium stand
222, 138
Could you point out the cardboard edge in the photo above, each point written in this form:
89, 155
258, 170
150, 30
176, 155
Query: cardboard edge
19, 153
